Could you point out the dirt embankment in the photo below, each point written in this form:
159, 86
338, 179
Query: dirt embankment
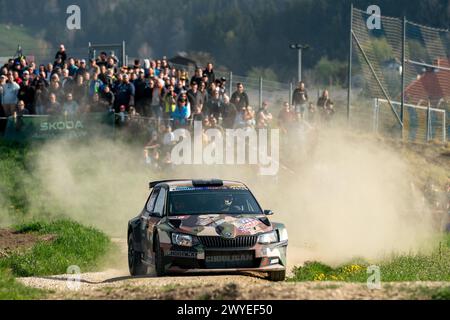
12, 241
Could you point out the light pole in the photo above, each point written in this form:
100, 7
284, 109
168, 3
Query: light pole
299, 48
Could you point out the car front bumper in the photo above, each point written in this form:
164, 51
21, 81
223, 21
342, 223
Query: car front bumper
263, 258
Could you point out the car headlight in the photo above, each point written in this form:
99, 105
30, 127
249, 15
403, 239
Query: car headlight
283, 234
183, 240
267, 238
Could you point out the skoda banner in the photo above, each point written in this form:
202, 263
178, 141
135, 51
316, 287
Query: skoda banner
29, 128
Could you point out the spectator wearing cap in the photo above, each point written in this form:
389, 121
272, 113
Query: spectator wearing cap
102, 59
61, 54
240, 97
9, 95
180, 115
82, 68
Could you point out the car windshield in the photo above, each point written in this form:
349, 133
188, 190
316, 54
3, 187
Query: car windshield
212, 201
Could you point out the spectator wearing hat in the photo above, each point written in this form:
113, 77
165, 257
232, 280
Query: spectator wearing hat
102, 59
82, 68
180, 115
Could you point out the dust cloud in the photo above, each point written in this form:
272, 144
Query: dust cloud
346, 198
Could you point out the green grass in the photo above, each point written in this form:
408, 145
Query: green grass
13, 35
10, 289
432, 267
74, 244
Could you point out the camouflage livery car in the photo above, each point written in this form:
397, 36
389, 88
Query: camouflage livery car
205, 226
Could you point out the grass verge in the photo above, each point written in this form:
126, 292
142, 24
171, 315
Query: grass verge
10, 289
74, 244
433, 267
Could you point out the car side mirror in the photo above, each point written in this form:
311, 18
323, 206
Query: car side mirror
268, 212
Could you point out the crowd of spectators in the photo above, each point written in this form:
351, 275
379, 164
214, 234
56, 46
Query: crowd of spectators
148, 89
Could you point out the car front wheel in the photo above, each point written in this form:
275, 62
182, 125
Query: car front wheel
277, 275
135, 264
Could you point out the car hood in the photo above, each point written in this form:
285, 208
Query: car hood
225, 225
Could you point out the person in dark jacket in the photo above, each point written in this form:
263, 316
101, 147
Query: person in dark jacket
209, 72
240, 97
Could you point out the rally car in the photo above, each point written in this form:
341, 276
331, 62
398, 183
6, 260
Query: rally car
189, 226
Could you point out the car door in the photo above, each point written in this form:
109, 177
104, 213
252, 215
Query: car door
156, 212
145, 221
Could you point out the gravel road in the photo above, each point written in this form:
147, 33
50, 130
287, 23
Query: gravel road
115, 283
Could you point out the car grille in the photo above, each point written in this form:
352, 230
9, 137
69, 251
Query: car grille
219, 242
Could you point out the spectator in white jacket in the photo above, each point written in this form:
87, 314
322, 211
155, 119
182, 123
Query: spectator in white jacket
9, 95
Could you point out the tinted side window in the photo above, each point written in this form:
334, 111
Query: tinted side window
151, 201
159, 205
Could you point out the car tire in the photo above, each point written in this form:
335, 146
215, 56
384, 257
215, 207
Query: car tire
159, 256
277, 275
135, 264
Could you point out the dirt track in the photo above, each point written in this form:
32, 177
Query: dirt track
115, 283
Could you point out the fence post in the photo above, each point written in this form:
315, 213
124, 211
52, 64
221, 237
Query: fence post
444, 129
349, 89
402, 108
231, 84
124, 53
290, 93
260, 92
428, 121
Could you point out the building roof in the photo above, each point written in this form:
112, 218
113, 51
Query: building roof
434, 84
